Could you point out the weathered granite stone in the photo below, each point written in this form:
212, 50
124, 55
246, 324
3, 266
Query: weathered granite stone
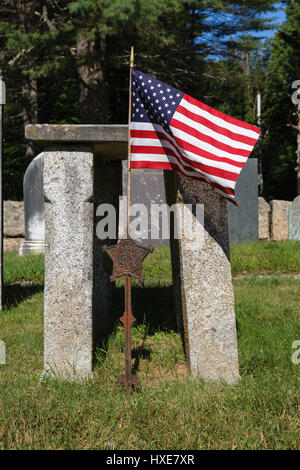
78, 293
294, 219
203, 286
13, 223
100, 136
77, 288
279, 219
68, 332
12, 244
2, 103
263, 219
34, 208
91, 133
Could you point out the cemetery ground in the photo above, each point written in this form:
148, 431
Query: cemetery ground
172, 410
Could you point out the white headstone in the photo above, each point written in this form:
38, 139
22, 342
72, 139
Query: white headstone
2, 352
34, 208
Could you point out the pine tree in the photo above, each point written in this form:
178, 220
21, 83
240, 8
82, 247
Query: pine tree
68, 61
282, 116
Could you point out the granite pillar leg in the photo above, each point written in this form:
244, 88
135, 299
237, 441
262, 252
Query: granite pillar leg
203, 285
69, 216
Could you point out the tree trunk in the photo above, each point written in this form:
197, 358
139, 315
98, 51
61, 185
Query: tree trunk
30, 111
93, 89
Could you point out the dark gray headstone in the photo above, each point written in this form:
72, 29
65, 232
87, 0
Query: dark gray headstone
243, 220
147, 186
34, 207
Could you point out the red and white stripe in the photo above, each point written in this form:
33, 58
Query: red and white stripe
205, 144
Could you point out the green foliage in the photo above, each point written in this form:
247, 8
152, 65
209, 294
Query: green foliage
14, 161
279, 142
67, 48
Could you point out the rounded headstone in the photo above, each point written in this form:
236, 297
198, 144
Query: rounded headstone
34, 207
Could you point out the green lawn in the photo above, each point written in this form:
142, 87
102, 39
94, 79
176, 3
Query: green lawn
266, 257
171, 411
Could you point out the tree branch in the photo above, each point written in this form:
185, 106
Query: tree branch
46, 20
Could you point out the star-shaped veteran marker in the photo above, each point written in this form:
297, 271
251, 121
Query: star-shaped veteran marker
127, 257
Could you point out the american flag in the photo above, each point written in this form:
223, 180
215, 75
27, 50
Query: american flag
172, 131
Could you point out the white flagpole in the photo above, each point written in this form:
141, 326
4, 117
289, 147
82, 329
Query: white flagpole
258, 114
2, 103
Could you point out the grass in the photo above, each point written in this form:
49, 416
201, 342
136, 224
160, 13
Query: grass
29, 268
246, 259
171, 411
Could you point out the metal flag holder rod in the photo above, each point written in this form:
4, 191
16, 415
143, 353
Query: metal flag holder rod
127, 257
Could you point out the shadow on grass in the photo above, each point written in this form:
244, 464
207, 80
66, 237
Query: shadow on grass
14, 294
137, 354
152, 306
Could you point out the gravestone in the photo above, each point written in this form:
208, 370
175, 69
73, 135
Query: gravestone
13, 220
83, 170
263, 219
147, 186
34, 208
294, 219
243, 220
279, 224
202, 280
13, 225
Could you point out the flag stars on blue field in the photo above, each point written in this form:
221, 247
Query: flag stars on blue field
152, 100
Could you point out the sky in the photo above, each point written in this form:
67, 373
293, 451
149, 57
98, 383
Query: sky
278, 16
